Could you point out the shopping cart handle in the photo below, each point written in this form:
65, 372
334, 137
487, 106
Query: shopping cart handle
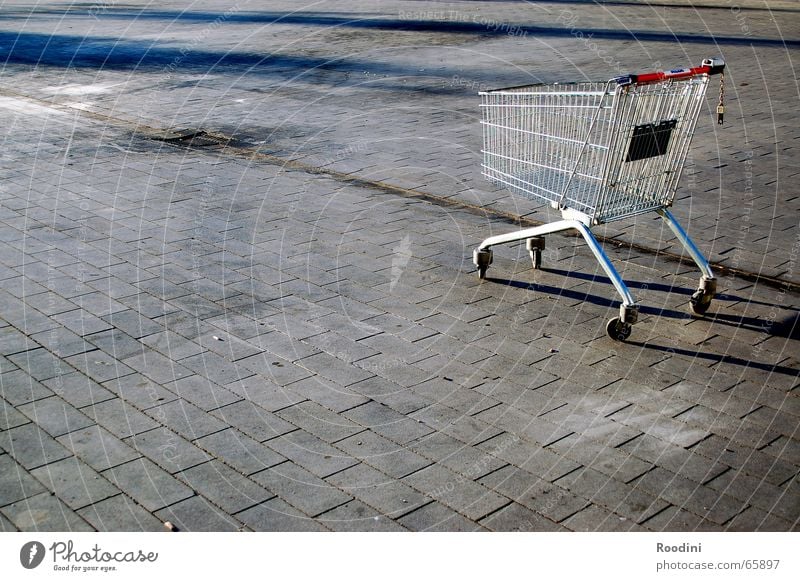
711, 66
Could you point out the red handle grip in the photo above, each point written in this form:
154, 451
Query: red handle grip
709, 67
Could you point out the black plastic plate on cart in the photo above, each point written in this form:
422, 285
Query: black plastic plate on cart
650, 140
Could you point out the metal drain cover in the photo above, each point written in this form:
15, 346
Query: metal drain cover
188, 138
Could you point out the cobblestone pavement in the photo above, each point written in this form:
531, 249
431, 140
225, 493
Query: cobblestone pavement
276, 325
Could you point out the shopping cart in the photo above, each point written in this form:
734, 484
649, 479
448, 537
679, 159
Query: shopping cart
598, 152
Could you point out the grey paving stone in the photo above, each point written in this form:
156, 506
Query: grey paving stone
542, 497
403, 351
456, 424
294, 327
264, 393
252, 420
38, 363
140, 391
196, 514
466, 496
160, 287
156, 367
44, 513
783, 447
629, 501
99, 366
224, 487
170, 451
283, 345
725, 452
62, 342
13, 341
686, 494
778, 501
216, 368
172, 345
783, 422
26, 318
10, 417
385, 421
16, 483
320, 421
358, 517
436, 517
78, 390
754, 519
74, 482
739, 429
240, 452
341, 347
534, 459
689, 463
241, 326
116, 343
470, 462
522, 425
591, 426
120, 418
31, 446
97, 447
653, 423
186, 419
334, 369
300, 488
596, 519
147, 484
203, 393
55, 416
308, 451
517, 518
402, 400
120, 514
383, 454
327, 393
276, 369
17, 387
674, 518
610, 461
82, 322
131, 322
276, 515
227, 346
6, 526
390, 496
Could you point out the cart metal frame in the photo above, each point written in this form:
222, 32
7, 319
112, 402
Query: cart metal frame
598, 152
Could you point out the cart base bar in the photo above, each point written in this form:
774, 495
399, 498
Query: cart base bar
618, 328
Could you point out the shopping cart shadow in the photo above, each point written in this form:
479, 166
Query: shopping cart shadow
788, 326
719, 358
667, 288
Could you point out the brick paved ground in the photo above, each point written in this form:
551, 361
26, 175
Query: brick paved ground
196, 334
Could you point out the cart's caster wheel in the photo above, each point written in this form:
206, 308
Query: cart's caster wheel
536, 259
482, 259
535, 247
700, 302
618, 330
